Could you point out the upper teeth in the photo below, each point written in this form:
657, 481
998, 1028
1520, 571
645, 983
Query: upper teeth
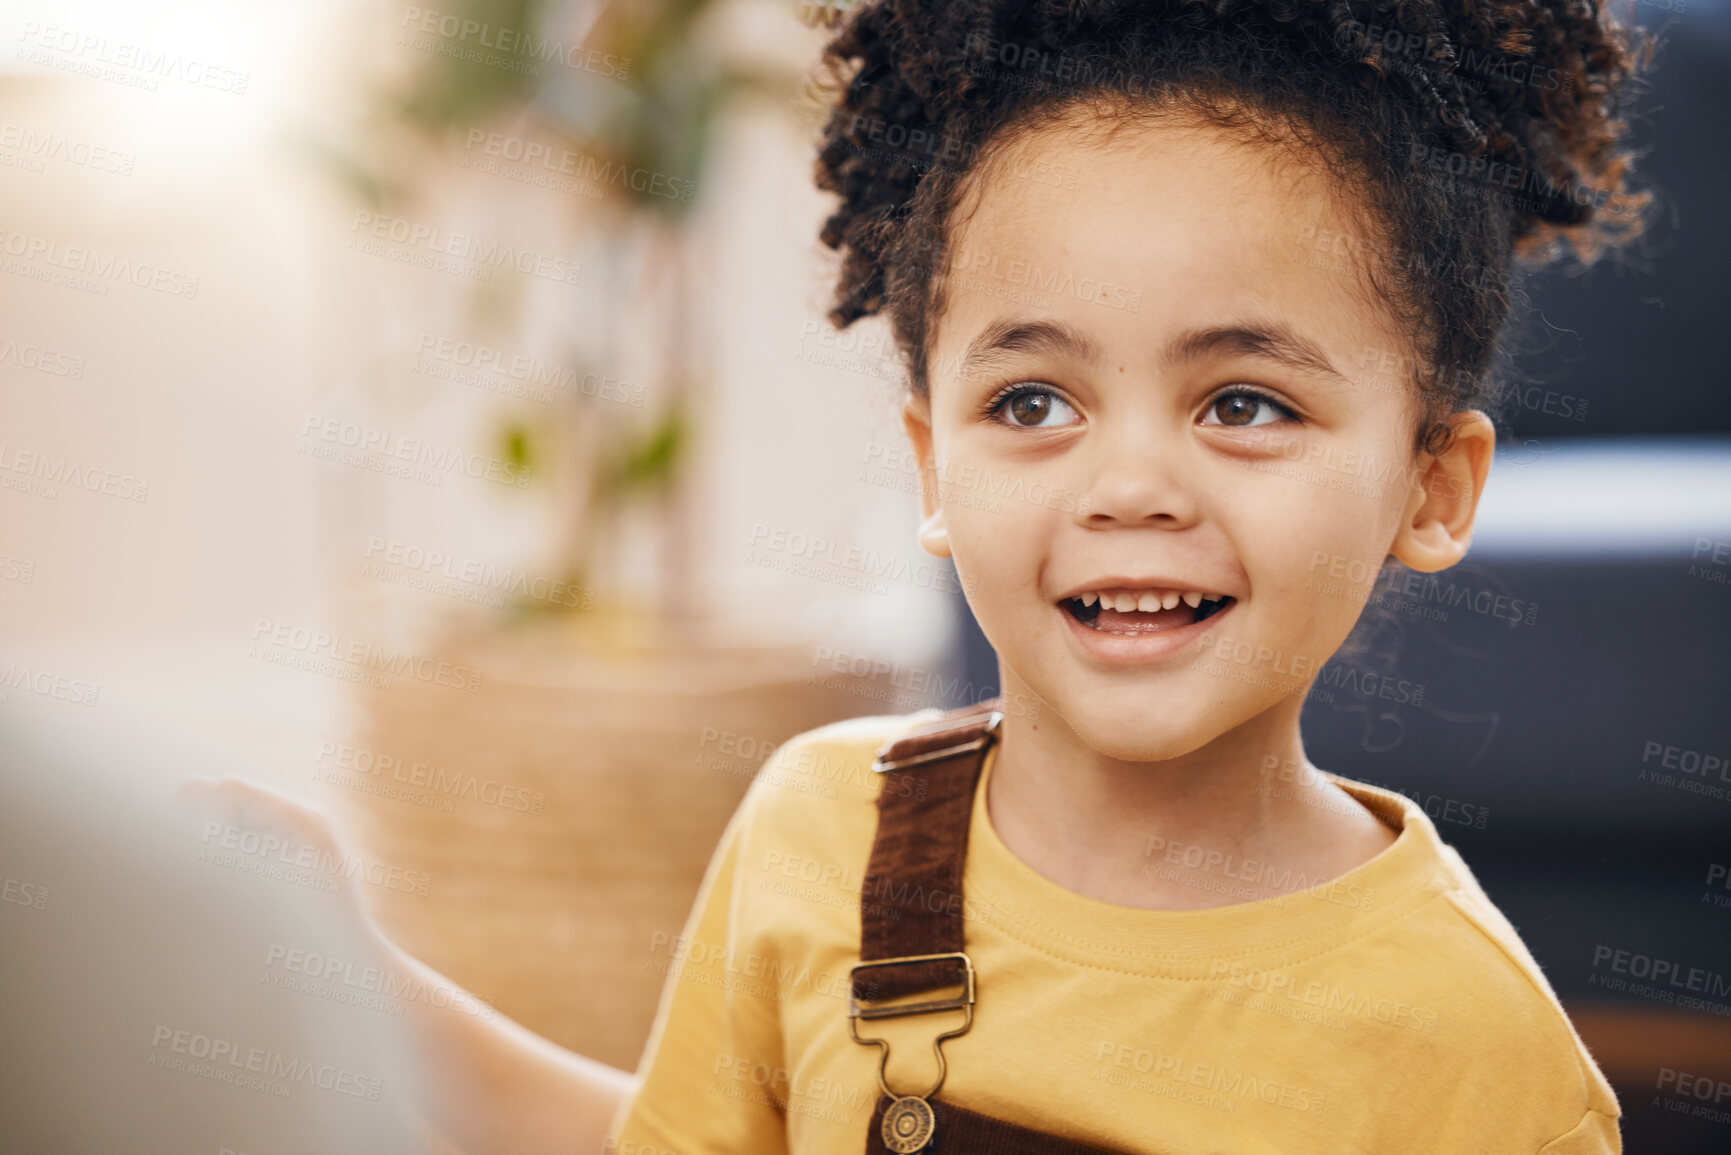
1146, 601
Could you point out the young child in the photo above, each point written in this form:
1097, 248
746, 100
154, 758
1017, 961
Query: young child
1216, 286
1096, 230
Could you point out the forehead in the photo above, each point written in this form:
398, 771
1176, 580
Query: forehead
1153, 228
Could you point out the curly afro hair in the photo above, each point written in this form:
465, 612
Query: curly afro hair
1483, 137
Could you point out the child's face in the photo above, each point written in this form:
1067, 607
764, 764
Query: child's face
1139, 313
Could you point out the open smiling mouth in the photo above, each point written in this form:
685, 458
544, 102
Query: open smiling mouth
1117, 611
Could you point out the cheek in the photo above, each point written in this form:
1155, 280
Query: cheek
999, 546
995, 545
1317, 542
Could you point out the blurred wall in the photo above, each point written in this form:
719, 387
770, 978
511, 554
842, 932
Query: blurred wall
231, 315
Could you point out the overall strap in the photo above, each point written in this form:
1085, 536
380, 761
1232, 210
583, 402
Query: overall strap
911, 905
912, 902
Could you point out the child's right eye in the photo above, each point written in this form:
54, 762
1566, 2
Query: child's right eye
1032, 407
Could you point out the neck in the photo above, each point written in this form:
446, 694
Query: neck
1154, 834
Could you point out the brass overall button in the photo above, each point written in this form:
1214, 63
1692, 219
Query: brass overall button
908, 1125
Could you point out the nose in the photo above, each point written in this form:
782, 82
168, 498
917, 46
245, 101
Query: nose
1138, 478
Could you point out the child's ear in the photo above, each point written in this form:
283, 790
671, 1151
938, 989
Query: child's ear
917, 420
934, 537
1437, 525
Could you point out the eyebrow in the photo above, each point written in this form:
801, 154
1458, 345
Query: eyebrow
1010, 336
1269, 340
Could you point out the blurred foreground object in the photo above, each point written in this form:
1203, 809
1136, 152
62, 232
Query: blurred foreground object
168, 983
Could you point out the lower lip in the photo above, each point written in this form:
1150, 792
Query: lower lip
1136, 649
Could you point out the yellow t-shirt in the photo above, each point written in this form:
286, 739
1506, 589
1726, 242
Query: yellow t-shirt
1392, 1010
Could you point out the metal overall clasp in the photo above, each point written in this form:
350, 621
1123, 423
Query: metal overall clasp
909, 1123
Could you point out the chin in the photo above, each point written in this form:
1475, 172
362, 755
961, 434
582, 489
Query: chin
1150, 731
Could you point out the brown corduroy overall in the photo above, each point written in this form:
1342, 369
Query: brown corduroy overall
908, 948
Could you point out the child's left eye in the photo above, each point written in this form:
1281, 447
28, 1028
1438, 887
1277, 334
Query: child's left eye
1033, 407
1241, 408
